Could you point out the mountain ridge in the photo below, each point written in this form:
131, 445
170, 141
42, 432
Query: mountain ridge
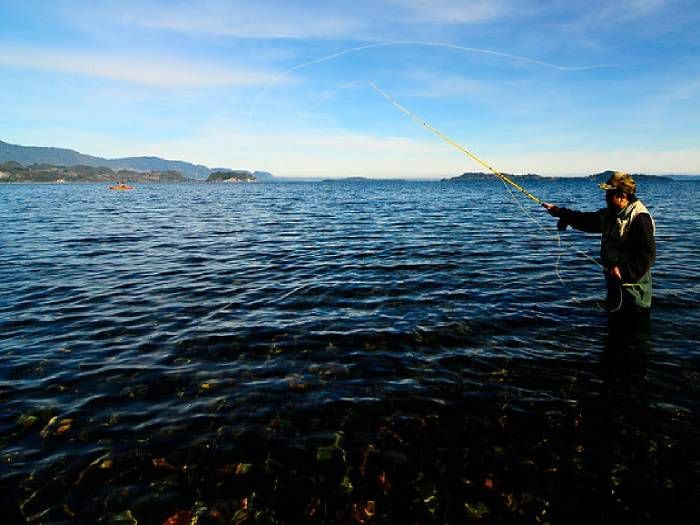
13, 171
29, 155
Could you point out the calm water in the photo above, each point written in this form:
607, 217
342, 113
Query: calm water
378, 352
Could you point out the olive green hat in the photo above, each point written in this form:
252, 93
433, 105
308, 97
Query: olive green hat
620, 181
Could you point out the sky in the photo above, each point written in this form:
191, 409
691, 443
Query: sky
558, 87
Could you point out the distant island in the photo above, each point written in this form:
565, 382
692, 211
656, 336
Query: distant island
61, 157
348, 179
232, 176
596, 177
478, 175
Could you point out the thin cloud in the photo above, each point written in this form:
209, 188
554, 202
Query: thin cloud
622, 10
295, 20
429, 84
336, 154
152, 72
330, 94
310, 152
616, 14
450, 11
593, 161
245, 20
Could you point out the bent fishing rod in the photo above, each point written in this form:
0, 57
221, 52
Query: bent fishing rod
493, 170
447, 139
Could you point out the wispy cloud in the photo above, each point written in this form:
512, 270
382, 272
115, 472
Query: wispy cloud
617, 14
429, 84
657, 161
310, 152
245, 19
328, 95
623, 10
298, 19
338, 153
165, 72
450, 11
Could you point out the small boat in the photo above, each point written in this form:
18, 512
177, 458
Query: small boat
121, 187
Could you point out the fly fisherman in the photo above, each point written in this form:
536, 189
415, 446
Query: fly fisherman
627, 248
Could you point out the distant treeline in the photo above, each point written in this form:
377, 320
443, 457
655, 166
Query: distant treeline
14, 172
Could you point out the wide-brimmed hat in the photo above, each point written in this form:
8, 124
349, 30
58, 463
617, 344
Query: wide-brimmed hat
620, 181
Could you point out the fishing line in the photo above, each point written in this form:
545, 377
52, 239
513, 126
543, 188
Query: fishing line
545, 230
503, 178
285, 73
330, 95
552, 233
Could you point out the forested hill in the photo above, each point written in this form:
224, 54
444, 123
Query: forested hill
14, 172
32, 155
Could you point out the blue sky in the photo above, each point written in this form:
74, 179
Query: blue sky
557, 87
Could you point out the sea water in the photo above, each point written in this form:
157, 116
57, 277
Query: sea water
339, 352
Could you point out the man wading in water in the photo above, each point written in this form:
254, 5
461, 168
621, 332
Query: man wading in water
627, 248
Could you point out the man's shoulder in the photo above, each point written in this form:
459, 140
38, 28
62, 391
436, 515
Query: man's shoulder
640, 208
643, 223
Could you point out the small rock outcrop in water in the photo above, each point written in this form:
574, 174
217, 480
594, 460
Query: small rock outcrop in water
231, 176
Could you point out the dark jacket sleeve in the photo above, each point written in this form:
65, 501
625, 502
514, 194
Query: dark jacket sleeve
643, 249
590, 222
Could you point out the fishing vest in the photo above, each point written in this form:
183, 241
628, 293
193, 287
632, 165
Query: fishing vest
615, 251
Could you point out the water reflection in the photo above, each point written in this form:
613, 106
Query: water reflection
621, 453
626, 355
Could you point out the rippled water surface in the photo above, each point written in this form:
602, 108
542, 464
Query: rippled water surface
349, 352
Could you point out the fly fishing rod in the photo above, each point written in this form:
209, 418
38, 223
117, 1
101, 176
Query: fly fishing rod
493, 170
459, 147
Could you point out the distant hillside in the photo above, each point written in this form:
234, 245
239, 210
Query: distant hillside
472, 176
13, 171
28, 155
348, 179
263, 176
603, 176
